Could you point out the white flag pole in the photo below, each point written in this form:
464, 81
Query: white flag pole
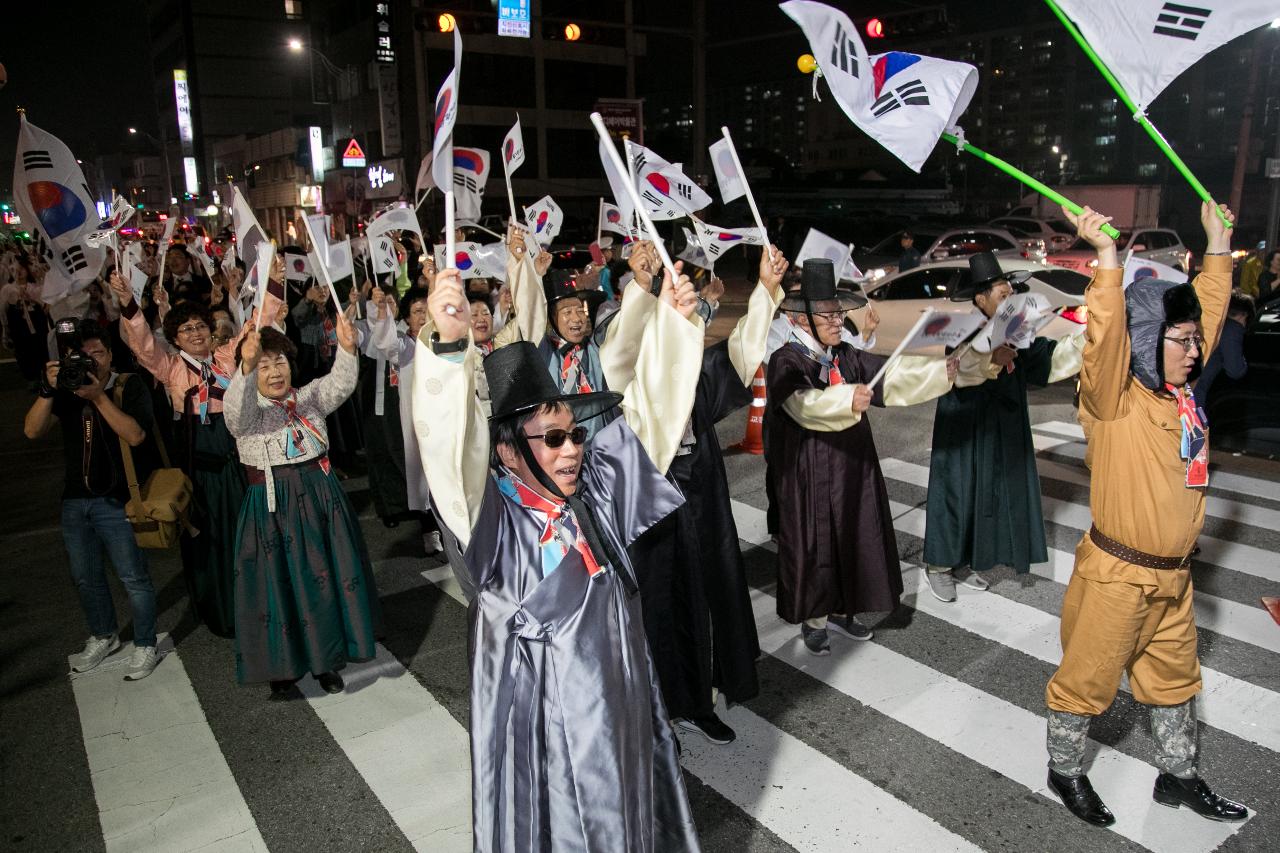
599, 220
902, 345
635, 196
450, 241
751, 199
511, 196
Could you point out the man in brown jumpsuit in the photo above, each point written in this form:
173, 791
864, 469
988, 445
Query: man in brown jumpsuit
1128, 607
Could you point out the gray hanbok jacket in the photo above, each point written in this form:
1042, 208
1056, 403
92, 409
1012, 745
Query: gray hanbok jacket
571, 747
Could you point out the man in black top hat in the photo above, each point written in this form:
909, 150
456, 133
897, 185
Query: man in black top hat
984, 493
837, 553
563, 694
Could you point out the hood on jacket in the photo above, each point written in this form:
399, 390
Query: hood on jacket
1152, 306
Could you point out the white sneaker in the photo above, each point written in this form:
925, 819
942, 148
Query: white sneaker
96, 651
942, 585
142, 663
431, 543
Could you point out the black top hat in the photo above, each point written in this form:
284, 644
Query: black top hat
563, 284
818, 291
519, 382
984, 269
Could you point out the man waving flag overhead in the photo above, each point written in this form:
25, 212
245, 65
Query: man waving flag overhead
902, 100
1148, 43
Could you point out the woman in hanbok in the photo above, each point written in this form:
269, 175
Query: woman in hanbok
305, 594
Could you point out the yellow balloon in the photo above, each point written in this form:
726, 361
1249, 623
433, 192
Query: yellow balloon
806, 63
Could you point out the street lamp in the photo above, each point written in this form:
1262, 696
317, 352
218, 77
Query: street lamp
295, 44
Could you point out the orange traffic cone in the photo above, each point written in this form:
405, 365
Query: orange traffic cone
753, 441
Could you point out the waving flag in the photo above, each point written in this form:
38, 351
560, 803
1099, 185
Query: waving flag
732, 184
134, 274
617, 186
544, 218
341, 263
665, 189
513, 149
610, 219
424, 182
249, 234
107, 233
198, 250
382, 255
470, 174
476, 261
394, 219
819, 245
1136, 269
55, 204
693, 253
944, 328
446, 113
297, 268
715, 241
1148, 43
904, 101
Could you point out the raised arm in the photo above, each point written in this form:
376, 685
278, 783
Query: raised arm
621, 345
748, 340
659, 399
137, 334
240, 409
1104, 370
1213, 285
915, 379
331, 390
528, 320
453, 434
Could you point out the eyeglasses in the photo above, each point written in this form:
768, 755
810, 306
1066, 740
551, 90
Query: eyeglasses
1188, 342
193, 328
830, 316
554, 438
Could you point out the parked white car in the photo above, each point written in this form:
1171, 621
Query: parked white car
940, 244
1153, 244
1057, 234
900, 298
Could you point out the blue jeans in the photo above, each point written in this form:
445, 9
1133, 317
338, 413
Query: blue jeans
88, 526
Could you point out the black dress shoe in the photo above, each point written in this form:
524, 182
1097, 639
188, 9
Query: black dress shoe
330, 681
1193, 793
1078, 796
280, 690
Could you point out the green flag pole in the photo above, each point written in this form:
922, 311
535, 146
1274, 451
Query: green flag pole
1138, 114
1016, 173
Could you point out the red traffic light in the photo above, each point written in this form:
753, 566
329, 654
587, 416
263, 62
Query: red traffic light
875, 28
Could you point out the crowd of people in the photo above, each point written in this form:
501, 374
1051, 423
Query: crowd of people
554, 435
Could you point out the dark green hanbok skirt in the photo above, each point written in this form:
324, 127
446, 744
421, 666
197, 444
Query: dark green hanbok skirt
208, 558
305, 595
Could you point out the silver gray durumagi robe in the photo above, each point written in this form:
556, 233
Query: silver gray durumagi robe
571, 747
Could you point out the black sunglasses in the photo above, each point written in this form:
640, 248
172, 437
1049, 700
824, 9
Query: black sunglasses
553, 438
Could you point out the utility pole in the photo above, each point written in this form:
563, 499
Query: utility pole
1246, 124
1273, 215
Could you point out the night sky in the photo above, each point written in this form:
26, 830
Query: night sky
78, 70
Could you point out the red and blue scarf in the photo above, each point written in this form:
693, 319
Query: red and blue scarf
298, 430
560, 531
1195, 441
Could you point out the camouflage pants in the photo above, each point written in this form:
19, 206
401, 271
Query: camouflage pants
1173, 728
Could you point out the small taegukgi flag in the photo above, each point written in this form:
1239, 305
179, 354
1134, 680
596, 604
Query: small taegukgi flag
1016, 322
394, 219
198, 250
544, 218
667, 192
54, 201
470, 174
424, 182
341, 263
944, 328
610, 219
693, 252
446, 114
1136, 269
474, 260
715, 241
902, 100
513, 149
297, 268
1146, 44
617, 186
249, 234
732, 184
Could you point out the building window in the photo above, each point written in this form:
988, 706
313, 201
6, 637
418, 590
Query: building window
1106, 139
1147, 170
1216, 112
293, 9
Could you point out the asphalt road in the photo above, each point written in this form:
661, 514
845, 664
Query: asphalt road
928, 738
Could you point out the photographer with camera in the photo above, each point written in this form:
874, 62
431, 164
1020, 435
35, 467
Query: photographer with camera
78, 390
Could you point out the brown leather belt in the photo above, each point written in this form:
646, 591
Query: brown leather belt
1132, 555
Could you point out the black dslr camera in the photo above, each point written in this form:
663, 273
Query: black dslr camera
75, 366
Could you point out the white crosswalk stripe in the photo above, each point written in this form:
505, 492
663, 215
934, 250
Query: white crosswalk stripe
159, 776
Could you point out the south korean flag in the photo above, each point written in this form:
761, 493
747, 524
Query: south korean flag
666, 191
1148, 43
